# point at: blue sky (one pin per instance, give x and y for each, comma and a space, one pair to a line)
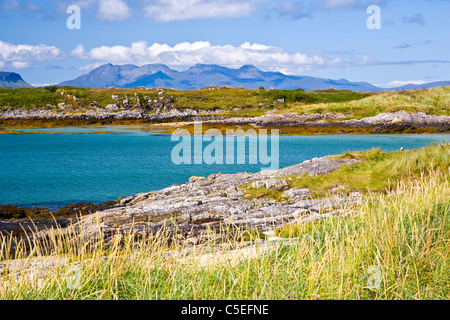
322, 38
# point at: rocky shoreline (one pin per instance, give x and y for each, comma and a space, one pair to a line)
289, 123
197, 211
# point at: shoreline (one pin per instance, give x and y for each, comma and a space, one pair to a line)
287, 123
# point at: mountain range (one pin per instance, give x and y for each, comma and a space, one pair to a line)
203, 75
12, 80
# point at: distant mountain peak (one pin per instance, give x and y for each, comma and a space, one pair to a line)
249, 67
104, 66
12, 80
202, 66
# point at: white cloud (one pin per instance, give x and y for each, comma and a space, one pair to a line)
25, 52
113, 10
78, 51
170, 10
20, 64
398, 83
187, 54
43, 84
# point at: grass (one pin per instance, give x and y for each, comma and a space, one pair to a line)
315, 96
434, 101
28, 98
403, 235
378, 171
251, 193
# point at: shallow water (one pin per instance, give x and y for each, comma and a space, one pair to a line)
54, 170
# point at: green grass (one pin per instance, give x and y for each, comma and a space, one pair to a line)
315, 96
259, 193
28, 98
378, 171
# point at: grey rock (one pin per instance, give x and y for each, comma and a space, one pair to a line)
296, 194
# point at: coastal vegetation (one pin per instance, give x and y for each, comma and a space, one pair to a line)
434, 101
394, 245
379, 171
235, 101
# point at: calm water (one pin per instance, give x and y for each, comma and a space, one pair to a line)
54, 170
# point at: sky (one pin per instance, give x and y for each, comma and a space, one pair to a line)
321, 38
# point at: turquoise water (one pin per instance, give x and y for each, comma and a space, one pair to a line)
54, 170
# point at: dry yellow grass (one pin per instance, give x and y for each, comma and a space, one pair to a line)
435, 101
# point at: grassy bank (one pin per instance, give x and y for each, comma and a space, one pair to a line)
435, 101
379, 171
376, 172
394, 246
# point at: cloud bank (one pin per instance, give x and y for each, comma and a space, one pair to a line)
187, 54
21, 55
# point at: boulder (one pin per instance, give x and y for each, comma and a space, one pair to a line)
197, 180
276, 184
112, 107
